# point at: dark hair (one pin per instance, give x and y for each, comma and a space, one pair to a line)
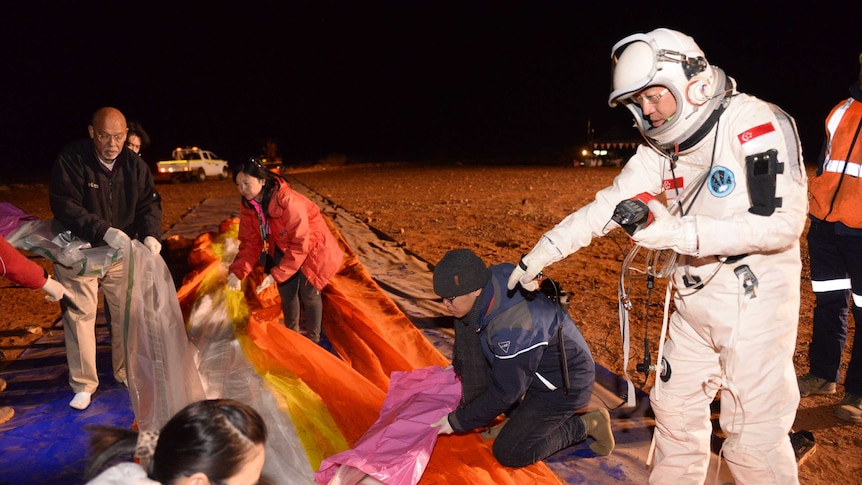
135, 128
255, 168
212, 437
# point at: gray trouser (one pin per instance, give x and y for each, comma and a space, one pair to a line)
297, 293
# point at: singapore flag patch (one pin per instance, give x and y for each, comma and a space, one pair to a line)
672, 187
759, 138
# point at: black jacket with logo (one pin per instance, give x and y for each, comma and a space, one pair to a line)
88, 200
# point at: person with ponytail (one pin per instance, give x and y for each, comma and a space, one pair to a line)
211, 441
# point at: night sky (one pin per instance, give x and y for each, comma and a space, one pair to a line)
383, 81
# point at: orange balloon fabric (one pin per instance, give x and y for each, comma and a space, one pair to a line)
372, 338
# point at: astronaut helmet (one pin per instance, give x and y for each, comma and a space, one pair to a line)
671, 59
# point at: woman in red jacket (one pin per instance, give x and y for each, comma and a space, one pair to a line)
284, 231
20, 270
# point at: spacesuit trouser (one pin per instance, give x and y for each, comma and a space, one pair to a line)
297, 293
836, 273
79, 325
759, 397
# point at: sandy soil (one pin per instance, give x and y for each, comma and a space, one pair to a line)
499, 212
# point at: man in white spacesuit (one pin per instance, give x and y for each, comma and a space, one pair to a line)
730, 167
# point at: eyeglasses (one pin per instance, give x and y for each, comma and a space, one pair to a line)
643, 99
103, 137
451, 299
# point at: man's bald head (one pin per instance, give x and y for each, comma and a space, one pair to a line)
108, 115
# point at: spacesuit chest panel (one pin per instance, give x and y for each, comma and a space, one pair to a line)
716, 181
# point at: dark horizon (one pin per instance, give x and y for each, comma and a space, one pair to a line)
380, 81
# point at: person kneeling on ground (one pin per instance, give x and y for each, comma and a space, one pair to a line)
210, 441
508, 357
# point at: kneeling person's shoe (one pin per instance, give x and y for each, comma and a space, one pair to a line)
810, 385
850, 408
598, 425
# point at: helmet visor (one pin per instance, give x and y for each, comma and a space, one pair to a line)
633, 66
637, 59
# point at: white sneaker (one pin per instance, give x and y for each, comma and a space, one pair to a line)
81, 400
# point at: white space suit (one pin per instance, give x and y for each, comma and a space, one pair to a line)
733, 331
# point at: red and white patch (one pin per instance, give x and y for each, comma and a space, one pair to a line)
752, 133
672, 187
672, 184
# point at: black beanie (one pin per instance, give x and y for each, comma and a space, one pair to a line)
460, 272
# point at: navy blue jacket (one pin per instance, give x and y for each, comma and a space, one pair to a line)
520, 342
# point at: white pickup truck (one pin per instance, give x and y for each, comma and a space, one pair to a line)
191, 163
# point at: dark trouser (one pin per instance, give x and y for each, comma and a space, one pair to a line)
297, 293
543, 424
835, 258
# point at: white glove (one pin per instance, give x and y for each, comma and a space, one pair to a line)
54, 289
153, 245
266, 283
443, 426
668, 231
116, 238
233, 283
528, 269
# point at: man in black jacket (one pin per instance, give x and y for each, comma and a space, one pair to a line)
104, 194
510, 354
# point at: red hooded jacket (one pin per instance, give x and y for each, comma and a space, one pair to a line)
297, 229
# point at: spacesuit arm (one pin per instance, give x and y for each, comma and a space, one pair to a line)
749, 233
642, 173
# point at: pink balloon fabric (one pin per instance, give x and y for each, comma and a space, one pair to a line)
396, 448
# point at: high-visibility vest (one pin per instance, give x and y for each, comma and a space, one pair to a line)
836, 191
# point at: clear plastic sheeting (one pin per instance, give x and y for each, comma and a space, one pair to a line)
162, 373
51, 240
169, 368
228, 373
160, 361
396, 449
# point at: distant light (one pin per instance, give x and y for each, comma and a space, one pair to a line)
585, 152
600, 153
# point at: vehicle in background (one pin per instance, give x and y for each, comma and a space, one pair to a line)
273, 165
191, 163
270, 157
